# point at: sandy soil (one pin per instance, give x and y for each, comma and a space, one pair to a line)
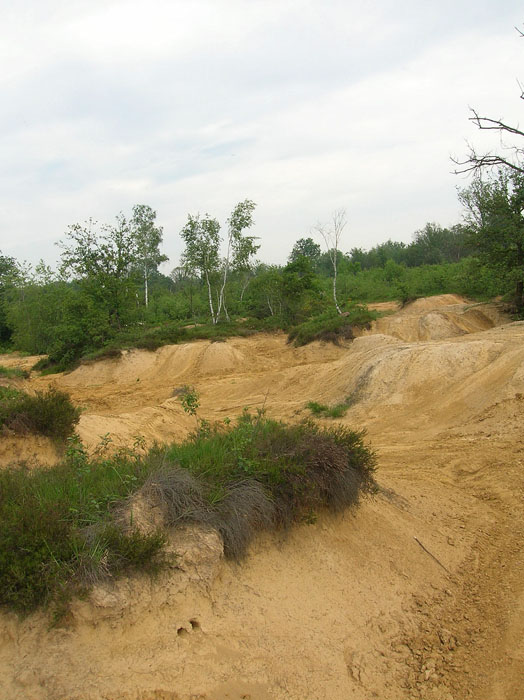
418, 594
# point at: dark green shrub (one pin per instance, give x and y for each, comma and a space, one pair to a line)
57, 536
49, 413
331, 328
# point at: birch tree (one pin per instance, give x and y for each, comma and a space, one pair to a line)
148, 237
202, 239
240, 248
331, 233
202, 252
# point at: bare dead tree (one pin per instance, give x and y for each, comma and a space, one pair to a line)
331, 234
511, 154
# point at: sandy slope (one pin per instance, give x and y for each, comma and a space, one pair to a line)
419, 594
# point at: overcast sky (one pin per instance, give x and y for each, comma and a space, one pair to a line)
192, 106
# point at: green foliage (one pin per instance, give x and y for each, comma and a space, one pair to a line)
48, 413
189, 399
147, 237
306, 247
431, 245
9, 275
60, 319
96, 293
494, 213
202, 253
102, 264
299, 292
95, 305
56, 534
331, 328
265, 293
270, 474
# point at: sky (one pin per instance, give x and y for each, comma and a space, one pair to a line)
190, 106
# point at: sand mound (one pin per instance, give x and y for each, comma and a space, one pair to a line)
33, 450
429, 303
427, 321
221, 358
165, 365
469, 371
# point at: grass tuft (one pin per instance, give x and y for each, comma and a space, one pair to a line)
324, 411
264, 473
13, 372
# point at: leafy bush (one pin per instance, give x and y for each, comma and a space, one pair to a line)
329, 327
49, 413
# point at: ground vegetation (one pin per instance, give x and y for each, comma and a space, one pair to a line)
61, 528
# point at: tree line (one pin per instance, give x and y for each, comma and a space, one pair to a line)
108, 284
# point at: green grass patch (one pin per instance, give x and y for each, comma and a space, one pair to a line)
332, 328
13, 372
48, 413
324, 411
60, 529
56, 536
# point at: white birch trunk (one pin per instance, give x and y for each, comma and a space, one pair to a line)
210, 299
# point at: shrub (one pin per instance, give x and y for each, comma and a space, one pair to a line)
49, 413
263, 473
56, 532
331, 328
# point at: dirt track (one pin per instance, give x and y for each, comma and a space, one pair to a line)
420, 594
